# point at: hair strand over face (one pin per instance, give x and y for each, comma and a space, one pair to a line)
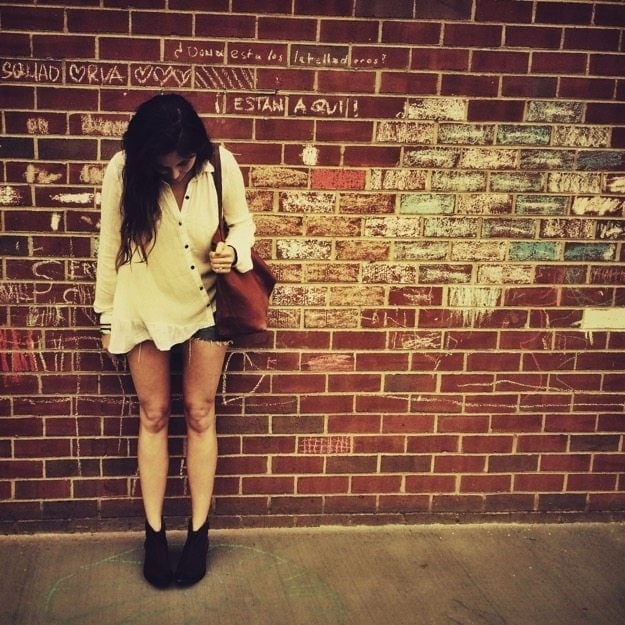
163, 124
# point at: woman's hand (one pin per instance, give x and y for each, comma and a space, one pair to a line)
106, 340
222, 259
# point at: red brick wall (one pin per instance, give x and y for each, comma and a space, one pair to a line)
438, 185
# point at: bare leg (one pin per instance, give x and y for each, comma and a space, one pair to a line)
150, 371
203, 363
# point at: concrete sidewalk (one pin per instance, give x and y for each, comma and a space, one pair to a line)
400, 575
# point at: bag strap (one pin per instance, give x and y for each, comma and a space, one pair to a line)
216, 162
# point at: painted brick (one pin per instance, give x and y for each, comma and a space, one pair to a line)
466, 134
535, 251
405, 132
396, 179
547, 159
560, 112
458, 181
517, 182
581, 136
427, 203
604, 160
484, 204
541, 205
512, 228
510, 134
450, 227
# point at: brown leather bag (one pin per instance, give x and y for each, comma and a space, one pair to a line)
241, 299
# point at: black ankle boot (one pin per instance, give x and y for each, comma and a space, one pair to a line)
156, 566
192, 566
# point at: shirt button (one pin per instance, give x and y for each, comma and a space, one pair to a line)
186, 247
192, 266
180, 223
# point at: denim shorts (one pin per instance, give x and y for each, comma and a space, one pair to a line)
206, 334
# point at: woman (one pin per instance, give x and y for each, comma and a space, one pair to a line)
155, 289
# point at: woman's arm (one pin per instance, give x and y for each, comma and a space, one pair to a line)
109, 240
241, 226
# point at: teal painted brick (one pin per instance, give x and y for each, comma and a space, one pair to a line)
547, 159
602, 161
590, 251
458, 181
523, 135
466, 134
542, 205
517, 182
555, 111
427, 203
534, 250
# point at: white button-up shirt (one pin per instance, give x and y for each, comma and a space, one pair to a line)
171, 296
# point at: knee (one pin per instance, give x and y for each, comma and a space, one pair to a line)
200, 417
155, 418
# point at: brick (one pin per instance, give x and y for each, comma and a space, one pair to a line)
485, 483
430, 484
492, 61
529, 87
509, 11
534, 37
589, 251
404, 464
337, 8
323, 485
376, 484
515, 228
97, 21
561, 112
552, 13
610, 15
37, 19
471, 85
472, 35
371, 8
15, 44
117, 48
538, 483
405, 132
558, 63
466, 134
456, 60
410, 32
604, 113
73, 46
404, 82
580, 38
586, 88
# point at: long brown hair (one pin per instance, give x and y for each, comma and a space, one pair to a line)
163, 124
